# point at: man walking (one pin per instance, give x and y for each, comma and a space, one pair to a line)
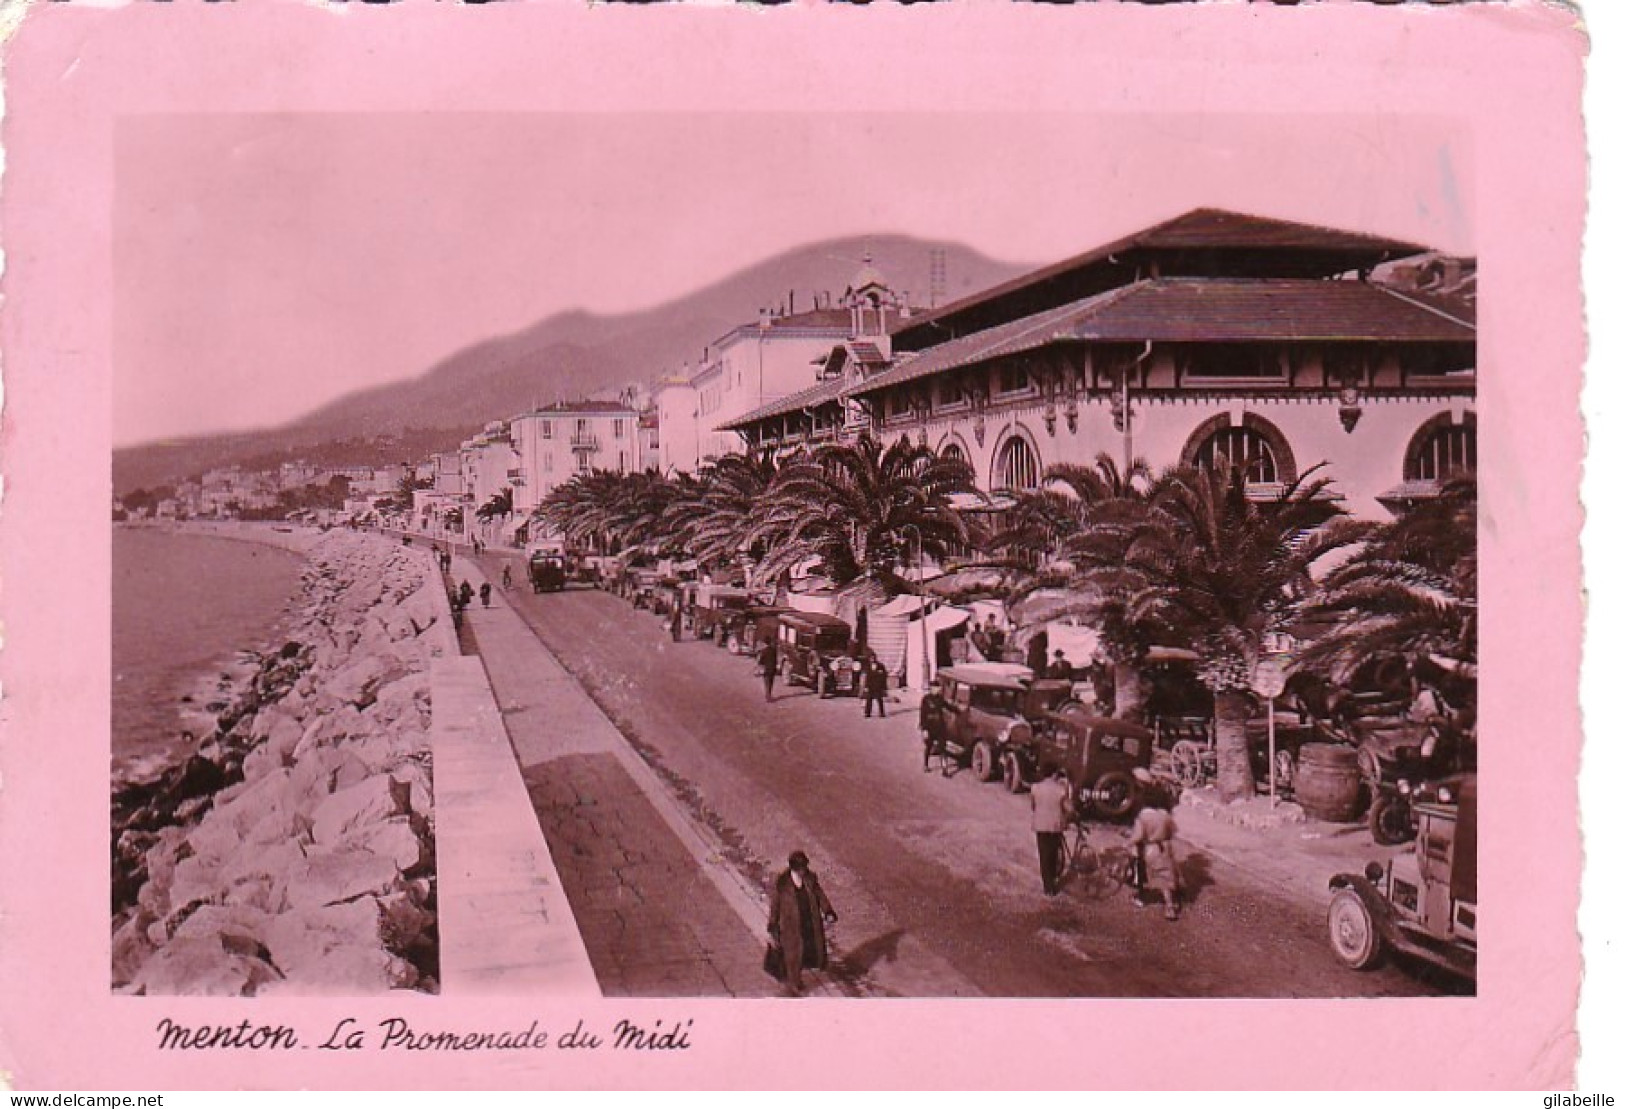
769, 658
1052, 812
874, 686
796, 920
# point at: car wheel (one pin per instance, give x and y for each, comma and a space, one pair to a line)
1390, 820
1013, 778
1113, 795
1353, 932
982, 763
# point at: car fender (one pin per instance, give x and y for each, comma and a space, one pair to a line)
1381, 912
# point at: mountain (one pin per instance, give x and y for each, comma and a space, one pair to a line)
567, 355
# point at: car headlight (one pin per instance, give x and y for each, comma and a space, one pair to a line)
1444, 795
1404, 786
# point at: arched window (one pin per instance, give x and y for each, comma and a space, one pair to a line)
1017, 464
1254, 446
1441, 450
954, 451
1242, 448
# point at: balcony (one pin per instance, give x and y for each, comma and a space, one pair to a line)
584, 441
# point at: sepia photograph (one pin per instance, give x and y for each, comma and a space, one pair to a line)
680, 547
1067, 571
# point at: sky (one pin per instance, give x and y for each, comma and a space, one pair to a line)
267, 264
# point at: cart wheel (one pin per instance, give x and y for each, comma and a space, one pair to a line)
1286, 770
982, 763
1014, 780
1187, 760
1354, 936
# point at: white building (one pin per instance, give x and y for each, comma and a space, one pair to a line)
555, 443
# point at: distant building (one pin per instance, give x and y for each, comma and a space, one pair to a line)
555, 443
1210, 337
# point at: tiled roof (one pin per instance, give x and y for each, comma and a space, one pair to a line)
822, 393
573, 407
1202, 229
867, 354
1205, 310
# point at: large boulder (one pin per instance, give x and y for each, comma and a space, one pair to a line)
333, 879
394, 840
371, 801
202, 965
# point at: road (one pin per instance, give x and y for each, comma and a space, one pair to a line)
935, 878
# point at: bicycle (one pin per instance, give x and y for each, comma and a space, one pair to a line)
1100, 872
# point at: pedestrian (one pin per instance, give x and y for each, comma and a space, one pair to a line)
1052, 812
874, 686
796, 920
465, 593
768, 656
485, 594
995, 642
932, 708
1060, 669
1038, 653
677, 622
507, 576
979, 639
1152, 837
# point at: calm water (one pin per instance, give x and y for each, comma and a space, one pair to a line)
183, 607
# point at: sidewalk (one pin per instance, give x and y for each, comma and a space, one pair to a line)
1280, 849
659, 913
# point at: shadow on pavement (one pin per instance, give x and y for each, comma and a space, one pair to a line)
863, 958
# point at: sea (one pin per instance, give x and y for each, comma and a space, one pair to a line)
186, 609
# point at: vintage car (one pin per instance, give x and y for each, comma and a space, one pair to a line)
714, 606
981, 704
1423, 903
642, 586
743, 630
1098, 753
546, 571
816, 650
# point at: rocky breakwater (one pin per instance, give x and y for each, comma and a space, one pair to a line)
294, 851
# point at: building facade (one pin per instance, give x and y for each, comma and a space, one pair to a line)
555, 443
1211, 337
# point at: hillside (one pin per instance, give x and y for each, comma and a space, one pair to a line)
565, 355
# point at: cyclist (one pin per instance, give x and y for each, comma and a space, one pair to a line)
1052, 813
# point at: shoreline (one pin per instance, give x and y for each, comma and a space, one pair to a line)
212, 686
293, 850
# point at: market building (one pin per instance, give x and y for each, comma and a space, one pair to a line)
1212, 336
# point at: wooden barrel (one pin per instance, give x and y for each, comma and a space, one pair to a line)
1328, 782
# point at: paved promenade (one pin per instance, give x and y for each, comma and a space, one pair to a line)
659, 913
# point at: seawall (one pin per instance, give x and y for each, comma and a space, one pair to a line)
294, 852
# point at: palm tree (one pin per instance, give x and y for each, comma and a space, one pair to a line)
1089, 522
713, 517
859, 508
1221, 572
1412, 593
500, 505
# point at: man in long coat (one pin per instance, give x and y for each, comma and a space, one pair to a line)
796, 919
